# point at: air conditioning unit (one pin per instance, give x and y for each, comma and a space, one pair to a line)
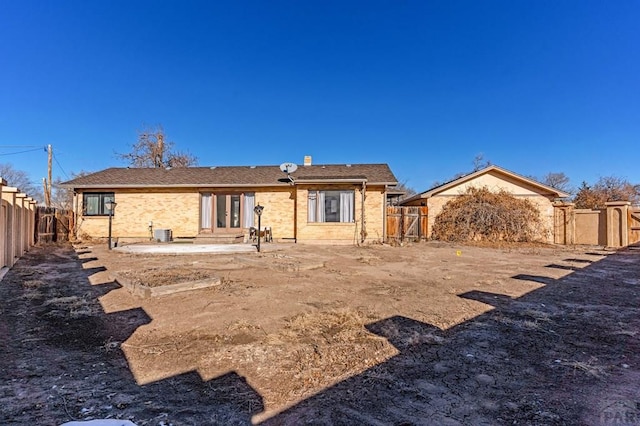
162, 235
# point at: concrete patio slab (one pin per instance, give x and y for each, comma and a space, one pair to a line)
188, 248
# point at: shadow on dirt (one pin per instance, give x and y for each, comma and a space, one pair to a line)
60, 356
563, 354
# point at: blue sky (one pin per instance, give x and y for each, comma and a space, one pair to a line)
425, 86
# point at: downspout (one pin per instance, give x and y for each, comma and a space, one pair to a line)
384, 216
295, 213
363, 229
76, 215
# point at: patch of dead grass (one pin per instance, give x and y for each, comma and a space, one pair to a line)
33, 284
70, 307
339, 325
537, 315
590, 367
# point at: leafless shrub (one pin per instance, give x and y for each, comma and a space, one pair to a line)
483, 215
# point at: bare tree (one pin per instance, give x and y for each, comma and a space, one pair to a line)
558, 180
408, 190
607, 188
153, 150
479, 163
20, 180
62, 198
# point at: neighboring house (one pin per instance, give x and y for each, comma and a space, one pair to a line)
394, 196
315, 203
496, 179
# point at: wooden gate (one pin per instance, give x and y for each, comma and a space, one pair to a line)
634, 225
407, 222
53, 224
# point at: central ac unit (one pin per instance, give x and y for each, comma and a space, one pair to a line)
162, 235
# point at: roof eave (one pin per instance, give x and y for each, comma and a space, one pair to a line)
332, 180
209, 185
185, 185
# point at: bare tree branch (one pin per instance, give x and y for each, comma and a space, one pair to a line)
20, 180
154, 151
607, 188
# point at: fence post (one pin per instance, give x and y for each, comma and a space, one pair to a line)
563, 223
28, 223
3, 226
617, 223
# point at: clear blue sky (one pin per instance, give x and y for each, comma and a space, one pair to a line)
535, 86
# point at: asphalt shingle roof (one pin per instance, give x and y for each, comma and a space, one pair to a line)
229, 176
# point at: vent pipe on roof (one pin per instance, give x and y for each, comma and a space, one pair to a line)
307, 160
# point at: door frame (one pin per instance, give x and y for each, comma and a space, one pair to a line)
213, 211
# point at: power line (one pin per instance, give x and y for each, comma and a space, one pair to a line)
22, 152
58, 163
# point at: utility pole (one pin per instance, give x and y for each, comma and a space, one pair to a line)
47, 201
47, 192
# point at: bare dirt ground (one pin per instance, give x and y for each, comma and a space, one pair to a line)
424, 334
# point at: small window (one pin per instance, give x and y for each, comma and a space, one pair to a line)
331, 206
95, 203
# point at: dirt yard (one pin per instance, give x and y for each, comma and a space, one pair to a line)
423, 334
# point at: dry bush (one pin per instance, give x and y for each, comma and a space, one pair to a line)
482, 215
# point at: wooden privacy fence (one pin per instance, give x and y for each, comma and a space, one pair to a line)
634, 225
407, 223
53, 224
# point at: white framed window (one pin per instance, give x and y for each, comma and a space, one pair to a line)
331, 206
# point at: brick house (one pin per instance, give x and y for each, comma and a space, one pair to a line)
315, 203
495, 179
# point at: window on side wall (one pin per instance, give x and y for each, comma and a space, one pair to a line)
331, 206
95, 203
